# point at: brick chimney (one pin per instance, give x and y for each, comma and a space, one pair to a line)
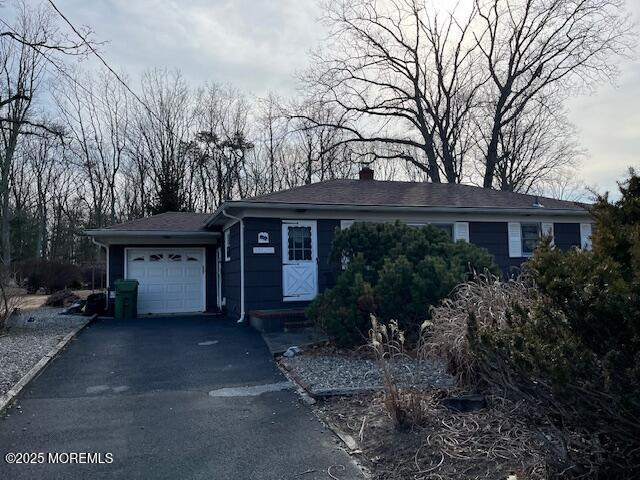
366, 173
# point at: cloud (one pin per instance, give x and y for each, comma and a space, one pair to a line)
256, 45
608, 122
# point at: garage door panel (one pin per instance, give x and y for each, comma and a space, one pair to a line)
171, 280
174, 288
136, 270
175, 271
153, 288
192, 271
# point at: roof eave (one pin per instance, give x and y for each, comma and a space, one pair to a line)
403, 208
106, 232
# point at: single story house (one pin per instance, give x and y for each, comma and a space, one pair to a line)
270, 252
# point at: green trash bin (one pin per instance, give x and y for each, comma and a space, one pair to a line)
126, 299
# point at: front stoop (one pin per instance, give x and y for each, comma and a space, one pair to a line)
281, 320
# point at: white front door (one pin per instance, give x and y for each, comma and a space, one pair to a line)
299, 260
171, 280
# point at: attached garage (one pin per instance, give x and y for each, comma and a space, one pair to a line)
172, 256
172, 280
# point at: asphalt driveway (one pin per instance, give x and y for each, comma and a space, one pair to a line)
166, 398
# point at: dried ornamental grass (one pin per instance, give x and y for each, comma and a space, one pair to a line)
489, 301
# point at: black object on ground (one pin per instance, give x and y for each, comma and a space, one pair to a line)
96, 303
465, 403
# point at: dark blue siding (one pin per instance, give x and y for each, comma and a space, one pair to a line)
494, 236
116, 264
326, 232
263, 272
117, 260
231, 275
566, 235
210, 280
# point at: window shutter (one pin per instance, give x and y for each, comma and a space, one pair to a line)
461, 231
547, 231
344, 224
585, 236
515, 240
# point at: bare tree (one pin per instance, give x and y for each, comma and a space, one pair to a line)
532, 46
95, 111
43, 157
222, 142
22, 69
162, 128
273, 125
536, 147
321, 150
439, 88
402, 75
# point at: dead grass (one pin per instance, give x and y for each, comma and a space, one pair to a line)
490, 301
33, 301
494, 443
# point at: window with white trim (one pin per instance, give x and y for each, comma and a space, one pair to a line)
529, 235
227, 245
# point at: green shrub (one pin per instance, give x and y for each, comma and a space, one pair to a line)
378, 241
395, 272
344, 311
405, 291
566, 338
598, 292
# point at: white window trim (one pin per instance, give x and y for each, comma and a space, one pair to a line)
227, 245
461, 232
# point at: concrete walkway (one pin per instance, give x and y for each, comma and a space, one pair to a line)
174, 398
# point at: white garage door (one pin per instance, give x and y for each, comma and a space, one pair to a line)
171, 280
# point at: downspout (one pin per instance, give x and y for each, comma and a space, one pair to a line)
106, 248
228, 215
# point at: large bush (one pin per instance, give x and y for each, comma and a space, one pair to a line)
52, 275
566, 337
395, 272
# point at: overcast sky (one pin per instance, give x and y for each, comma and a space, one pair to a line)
258, 45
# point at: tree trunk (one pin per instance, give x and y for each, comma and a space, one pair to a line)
4, 188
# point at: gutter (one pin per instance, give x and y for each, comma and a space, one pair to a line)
396, 208
224, 212
108, 284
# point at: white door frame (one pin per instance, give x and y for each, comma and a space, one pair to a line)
169, 247
314, 256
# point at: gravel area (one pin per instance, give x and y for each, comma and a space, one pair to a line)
30, 337
325, 374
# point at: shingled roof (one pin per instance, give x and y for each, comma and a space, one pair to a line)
409, 194
168, 221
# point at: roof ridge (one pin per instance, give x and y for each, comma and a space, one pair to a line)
117, 226
293, 189
491, 191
